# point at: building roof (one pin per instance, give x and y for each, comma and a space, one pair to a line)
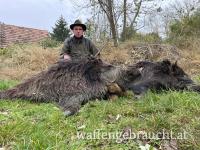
11, 34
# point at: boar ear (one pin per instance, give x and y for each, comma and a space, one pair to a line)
167, 62
176, 63
175, 66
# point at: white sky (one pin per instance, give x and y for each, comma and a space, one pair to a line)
41, 14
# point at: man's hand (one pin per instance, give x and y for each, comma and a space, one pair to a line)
66, 57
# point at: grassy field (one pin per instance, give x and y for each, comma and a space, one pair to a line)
27, 125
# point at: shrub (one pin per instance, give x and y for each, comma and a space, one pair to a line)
129, 33
149, 37
185, 30
49, 42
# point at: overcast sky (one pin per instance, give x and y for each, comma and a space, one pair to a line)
43, 14
40, 14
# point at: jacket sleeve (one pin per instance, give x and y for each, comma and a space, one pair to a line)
66, 47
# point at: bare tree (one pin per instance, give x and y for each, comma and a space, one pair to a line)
107, 7
183, 8
177, 10
122, 15
124, 20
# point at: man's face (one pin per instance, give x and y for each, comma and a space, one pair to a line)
78, 31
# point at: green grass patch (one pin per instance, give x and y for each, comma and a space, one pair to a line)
26, 125
5, 84
197, 79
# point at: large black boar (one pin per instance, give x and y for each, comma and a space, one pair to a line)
70, 84
156, 76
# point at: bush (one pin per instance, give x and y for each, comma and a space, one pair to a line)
127, 34
3, 51
188, 26
48, 42
185, 29
149, 37
10, 50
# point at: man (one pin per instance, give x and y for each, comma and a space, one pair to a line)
78, 47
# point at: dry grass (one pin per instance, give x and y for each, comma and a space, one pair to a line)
191, 57
21, 61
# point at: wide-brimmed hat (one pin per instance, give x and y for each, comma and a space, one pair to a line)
78, 23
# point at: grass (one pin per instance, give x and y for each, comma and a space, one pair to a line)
5, 84
26, 125
20, 61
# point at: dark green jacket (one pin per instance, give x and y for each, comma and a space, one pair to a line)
78, 48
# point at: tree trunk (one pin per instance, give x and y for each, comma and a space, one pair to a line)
138, 7
107, 7
124, 21
112, 22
